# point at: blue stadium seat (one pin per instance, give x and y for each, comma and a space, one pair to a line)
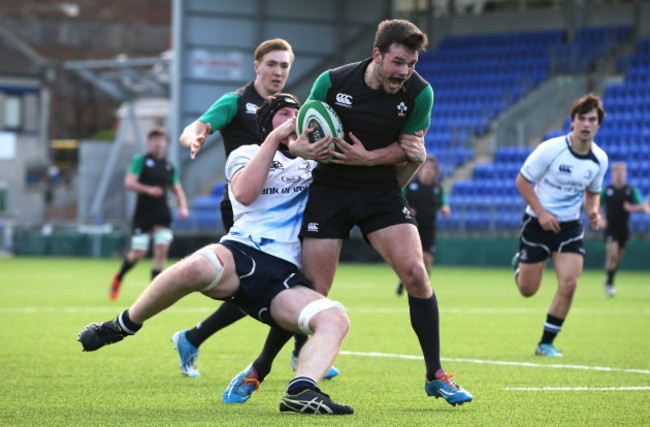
218, 188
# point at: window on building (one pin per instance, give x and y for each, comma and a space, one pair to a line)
13, 113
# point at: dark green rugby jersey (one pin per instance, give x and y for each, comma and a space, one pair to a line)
374, 116
613, 198
234, 115
155, 172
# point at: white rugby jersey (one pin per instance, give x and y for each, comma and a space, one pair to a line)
562, 176
272, 222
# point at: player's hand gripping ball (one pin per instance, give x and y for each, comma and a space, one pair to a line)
323, 119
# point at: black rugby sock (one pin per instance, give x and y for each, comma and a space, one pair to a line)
425, 320
275, 340
126, 324
126, 266
299, 384
227, 314
299, 341
552, 327
610, 276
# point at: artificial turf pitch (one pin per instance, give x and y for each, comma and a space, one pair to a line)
488, 334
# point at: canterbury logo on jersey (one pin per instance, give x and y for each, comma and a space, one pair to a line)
344, 100
251, 108
565, 168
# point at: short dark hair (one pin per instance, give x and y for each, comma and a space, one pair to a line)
399, 31
586, 104
271, 45
156, 131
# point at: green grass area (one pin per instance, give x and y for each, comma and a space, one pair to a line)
488, 331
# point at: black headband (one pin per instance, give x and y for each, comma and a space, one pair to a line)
271, 106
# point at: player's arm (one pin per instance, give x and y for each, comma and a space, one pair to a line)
356, 154
194, 136
547, 220
416, 154
132, 183
220, 114
592, 208
248, 182
179, 194
636, 204
181, 201
603, 217
445, 209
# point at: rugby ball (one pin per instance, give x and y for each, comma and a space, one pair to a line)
322, 118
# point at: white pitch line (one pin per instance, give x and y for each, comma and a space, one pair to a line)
575, 388
500, 362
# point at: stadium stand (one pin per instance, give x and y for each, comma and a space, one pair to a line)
489, 200
205, 212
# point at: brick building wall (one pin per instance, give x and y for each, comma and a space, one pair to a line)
101, 30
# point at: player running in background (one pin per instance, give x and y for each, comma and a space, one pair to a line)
256, 264
149, 176
568, 172
617, 201
426, 197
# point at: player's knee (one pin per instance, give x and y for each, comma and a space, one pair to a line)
334, 321
201, 271
331, 315
415, 276
135, 255
527, 292
568, 286
416, 281
527, 288
209, 276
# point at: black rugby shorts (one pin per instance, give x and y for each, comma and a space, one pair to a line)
537, 244
261, 278
331, 212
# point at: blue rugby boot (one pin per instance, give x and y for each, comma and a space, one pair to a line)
187, 353
547, 350
444, 387
242, 386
